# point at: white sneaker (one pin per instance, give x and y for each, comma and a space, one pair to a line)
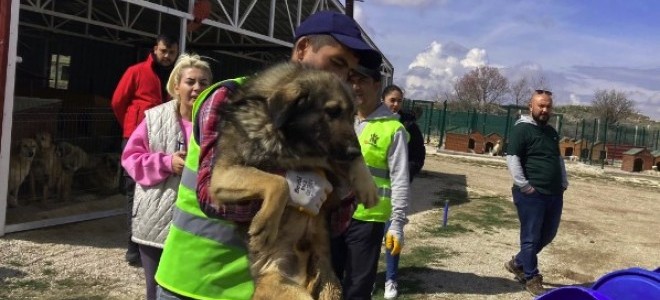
391, 289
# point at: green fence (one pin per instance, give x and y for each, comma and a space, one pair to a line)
436, 120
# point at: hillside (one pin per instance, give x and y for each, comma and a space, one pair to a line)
574, 113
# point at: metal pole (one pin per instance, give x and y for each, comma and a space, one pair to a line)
349, 8
593, 142
444, 122
468, 122
616, 141
602, 161
560, 123
483, 124
505, 142
428, 123
582, 142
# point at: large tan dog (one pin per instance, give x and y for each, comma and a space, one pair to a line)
289, 117
46, 171
20, 161
97, 171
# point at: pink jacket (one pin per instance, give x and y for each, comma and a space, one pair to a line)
144, 167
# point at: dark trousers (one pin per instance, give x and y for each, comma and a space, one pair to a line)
129, 191
355, 258
150, 256
539, 217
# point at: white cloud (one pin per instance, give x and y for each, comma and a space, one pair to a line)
575, 99
474, 58
434, 70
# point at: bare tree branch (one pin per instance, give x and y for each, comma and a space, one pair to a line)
612, 106
483, 88
520, 91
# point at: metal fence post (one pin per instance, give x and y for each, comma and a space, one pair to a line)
582, 143
593, 142
602, 161
444, 121
428, 123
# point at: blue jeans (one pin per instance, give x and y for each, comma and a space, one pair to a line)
391, 261
539, 217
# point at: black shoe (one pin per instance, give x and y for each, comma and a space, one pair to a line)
133, 258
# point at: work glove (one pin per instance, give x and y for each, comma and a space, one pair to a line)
308, 190
394, 241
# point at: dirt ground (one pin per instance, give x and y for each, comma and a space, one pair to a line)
610, 222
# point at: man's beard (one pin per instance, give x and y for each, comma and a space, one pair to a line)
541, 119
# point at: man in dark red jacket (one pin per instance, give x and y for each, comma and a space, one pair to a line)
142, 86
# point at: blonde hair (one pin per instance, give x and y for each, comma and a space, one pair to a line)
186, 61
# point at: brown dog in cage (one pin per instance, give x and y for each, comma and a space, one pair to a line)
97, 171
46, 171
20, 161
289, 117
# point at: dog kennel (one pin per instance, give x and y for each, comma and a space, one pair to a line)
64, 59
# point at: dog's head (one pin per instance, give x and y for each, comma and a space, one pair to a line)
44, 140
71, 156
312, 110
27, 148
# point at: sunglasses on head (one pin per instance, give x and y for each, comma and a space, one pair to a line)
540, 92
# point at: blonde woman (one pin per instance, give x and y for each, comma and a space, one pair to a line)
154, 157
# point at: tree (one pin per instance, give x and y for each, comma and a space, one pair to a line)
519, 90
483, 88
612, 106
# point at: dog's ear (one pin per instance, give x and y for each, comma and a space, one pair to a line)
284, 103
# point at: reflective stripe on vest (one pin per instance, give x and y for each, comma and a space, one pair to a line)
382, 173
203, 258
375, 141
221, 233
189, 178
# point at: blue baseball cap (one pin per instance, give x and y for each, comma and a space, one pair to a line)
345, 30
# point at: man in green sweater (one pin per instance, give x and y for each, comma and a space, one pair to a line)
539, 181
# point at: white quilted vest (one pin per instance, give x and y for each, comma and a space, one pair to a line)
152, 207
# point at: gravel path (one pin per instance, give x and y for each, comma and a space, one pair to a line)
610, 222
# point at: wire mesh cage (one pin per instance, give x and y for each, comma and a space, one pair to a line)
77, 154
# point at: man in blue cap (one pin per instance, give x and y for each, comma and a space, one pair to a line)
204, 257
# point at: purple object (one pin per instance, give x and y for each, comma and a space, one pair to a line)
629, 284
573, 293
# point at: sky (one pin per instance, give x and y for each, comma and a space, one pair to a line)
576, 46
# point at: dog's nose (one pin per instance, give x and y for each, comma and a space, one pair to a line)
31, 153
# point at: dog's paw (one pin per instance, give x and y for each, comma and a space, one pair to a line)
263, 231
367, 194
362, 183
265, 224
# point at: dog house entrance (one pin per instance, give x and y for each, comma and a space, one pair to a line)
568, 152
489, 147
638, 164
